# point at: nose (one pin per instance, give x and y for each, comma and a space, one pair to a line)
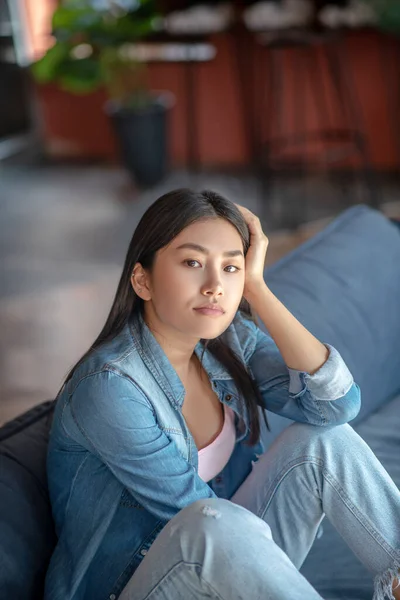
212, 288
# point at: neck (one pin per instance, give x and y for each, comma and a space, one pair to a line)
178, 349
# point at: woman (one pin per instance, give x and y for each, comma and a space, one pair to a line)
159, 485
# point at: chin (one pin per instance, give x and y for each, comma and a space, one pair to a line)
212, 330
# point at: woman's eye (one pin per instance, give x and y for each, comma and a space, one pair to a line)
232, 268
191, 261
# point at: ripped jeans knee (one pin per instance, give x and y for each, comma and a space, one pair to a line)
219, 518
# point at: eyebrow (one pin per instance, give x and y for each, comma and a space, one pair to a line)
205, 251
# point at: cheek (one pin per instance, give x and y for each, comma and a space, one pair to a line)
170, 283
235, 283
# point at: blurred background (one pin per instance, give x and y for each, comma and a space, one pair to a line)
289, 107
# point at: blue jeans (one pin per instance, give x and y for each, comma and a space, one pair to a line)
222, 549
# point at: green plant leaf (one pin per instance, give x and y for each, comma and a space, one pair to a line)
388, 13
81, 76
46, 68
74, 19
105, 29
390, 19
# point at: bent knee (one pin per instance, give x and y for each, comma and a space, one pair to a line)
215, 509
305, 435
215, 516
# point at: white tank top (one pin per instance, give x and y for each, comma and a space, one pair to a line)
214, 457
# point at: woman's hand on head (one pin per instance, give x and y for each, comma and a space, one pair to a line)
255, 257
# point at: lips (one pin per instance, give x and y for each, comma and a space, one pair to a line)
210, 309
215, 307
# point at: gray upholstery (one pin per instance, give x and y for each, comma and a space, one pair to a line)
344, 285
27, 533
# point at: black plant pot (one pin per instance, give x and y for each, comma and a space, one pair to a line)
143, 137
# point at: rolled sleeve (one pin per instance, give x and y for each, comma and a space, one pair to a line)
332, 381
328, 397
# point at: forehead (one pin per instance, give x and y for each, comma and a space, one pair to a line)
216, 234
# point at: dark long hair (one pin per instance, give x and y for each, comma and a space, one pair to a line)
159, 225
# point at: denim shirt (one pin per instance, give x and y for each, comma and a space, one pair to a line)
122, 461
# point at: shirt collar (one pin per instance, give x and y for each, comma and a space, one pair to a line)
159, 365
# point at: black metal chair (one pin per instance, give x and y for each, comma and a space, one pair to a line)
300, 54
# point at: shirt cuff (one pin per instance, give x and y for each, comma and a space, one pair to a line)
332, 381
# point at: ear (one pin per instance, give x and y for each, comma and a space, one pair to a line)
139, 282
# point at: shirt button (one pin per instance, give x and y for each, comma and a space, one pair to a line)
228, 397
143, 552
113, 597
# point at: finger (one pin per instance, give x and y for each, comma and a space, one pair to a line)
243, 209
249, 216
253, 222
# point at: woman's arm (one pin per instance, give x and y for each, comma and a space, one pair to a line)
298, 376
327, 397
113, 420
300, 349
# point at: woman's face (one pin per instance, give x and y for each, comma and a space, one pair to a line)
185, 277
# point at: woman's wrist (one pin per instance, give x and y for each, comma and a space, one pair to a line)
257, 293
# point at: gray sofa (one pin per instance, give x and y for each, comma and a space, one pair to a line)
344, 285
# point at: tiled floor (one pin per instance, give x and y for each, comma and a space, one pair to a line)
63, 237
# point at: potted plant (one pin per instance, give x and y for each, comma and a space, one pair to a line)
95, 43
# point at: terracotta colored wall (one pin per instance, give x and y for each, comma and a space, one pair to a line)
375, 60
76, 126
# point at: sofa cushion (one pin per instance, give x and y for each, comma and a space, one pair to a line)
330, 566
346, 298
26, 525
344, 286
